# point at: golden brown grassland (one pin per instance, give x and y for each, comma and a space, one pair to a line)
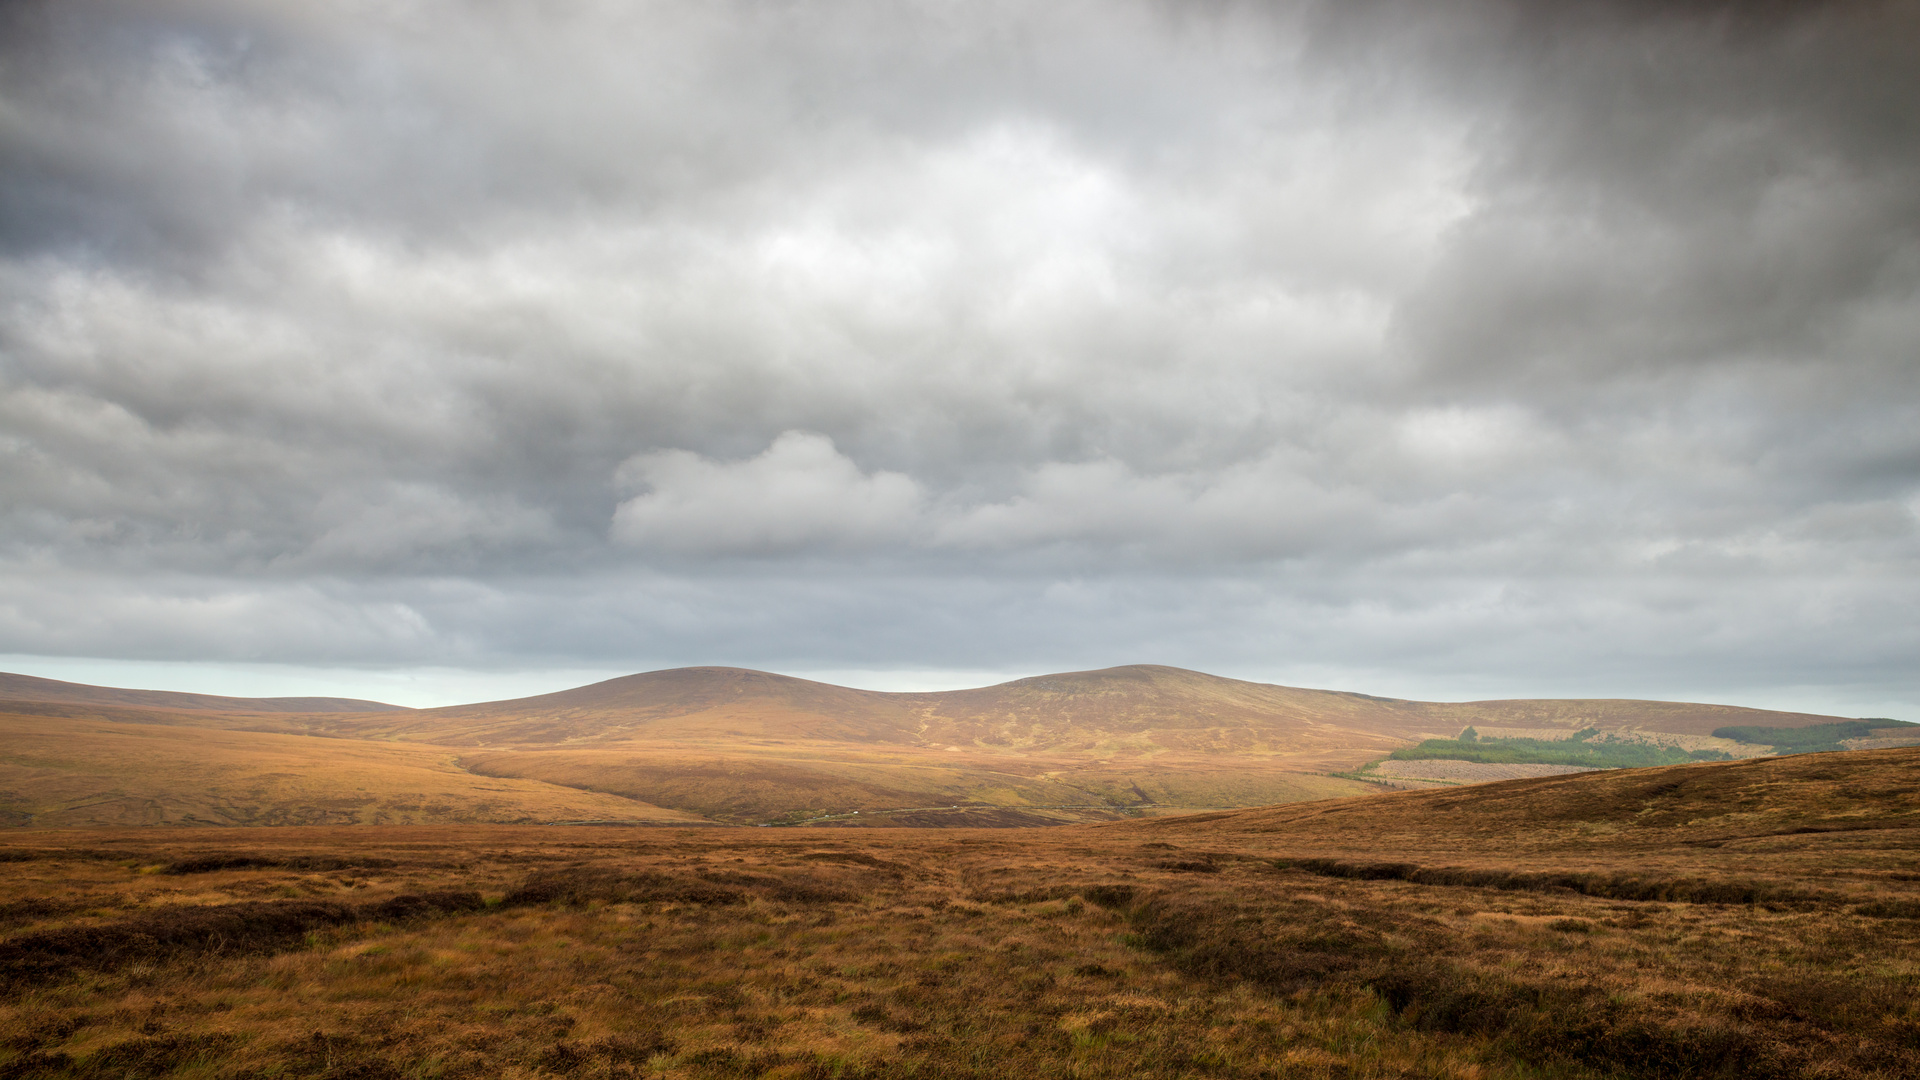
744, 747
1757, 918
68, 771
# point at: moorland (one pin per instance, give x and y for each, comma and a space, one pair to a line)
677, 875
727, 746
1746, 918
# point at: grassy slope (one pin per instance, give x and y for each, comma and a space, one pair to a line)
1752, 803
1600, 754
64, 772
1134, 711
1819, 738
1193, 947
30, 688
749, 746
732, 786
744, 746
1609, 714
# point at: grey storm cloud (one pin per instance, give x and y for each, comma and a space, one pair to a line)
1538, 341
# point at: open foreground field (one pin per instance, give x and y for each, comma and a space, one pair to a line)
1740, 919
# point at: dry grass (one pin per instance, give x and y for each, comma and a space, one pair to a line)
741, 747
748, 785
1758, 805
72, 771
1584, 945
1138, 711
66, 771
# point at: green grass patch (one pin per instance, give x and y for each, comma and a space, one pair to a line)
1584, 748
1809, 740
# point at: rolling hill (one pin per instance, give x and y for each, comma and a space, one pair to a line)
1138, 710
27, 688
1753, 807
735, 746
60, 771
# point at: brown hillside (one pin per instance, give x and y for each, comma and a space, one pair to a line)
24, 688
1126, 711
1613, 714
702, 704
739, 746
807, 783
746, 746
1738, 805
67, 772
1147, 709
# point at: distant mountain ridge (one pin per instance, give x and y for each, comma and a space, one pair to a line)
1043, 710
29, 688
1175, 708
723, 745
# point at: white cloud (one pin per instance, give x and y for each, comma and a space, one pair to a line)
1352, 309
799, 493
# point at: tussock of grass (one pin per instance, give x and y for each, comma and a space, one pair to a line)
1814, 1026
212, 862
1610, 886
1891, 909
178, 931
581, 886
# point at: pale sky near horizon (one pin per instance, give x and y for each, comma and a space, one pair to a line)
1444, 349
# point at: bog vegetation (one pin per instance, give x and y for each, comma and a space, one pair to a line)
1756, 918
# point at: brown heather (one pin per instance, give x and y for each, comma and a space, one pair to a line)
724, 745
1751, 919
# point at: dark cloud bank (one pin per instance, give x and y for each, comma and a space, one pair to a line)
1496, 346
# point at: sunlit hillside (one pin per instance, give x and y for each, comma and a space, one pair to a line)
744, 747
59, 771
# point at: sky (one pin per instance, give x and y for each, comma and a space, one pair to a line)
447, 351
